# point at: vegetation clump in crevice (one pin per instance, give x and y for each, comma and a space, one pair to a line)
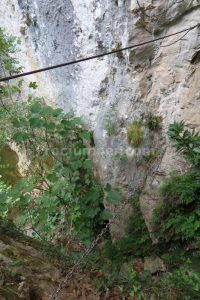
110, 123
135, 134
154, 123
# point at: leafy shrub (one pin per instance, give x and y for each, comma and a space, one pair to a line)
59, 190
120, 156
181, 284
186, 282
136, 285
9, 64
5, 200
187, 142
135, 134
8, 46
177, 219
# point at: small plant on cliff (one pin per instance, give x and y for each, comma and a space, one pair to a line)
151, 156
135, 134
110, 125
154, 122
120, 157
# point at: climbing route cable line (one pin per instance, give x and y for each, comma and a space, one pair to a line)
73, 62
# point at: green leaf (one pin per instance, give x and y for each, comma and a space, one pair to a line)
113, 197
85, 135
57, 112
91, 213
36, 108
8, 65
18, 123
76, 165
196, 150
77, 121
68, 124
52, 178
106, 215
47, 110
107, 188
36, 123
21, 136
33, 85
88, 165
20, 83
50, 126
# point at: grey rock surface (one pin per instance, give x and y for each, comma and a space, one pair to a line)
154, 265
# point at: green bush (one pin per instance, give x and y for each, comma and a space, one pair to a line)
181, 284
187, 142
67, 196
186, 282
177, 219
8, 47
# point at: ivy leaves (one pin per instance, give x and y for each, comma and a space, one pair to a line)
112, 195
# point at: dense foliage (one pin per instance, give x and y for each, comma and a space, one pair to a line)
59, 184
177, 217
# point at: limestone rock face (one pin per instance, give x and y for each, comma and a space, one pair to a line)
112, 92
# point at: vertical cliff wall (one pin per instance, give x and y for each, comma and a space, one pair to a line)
113, 92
